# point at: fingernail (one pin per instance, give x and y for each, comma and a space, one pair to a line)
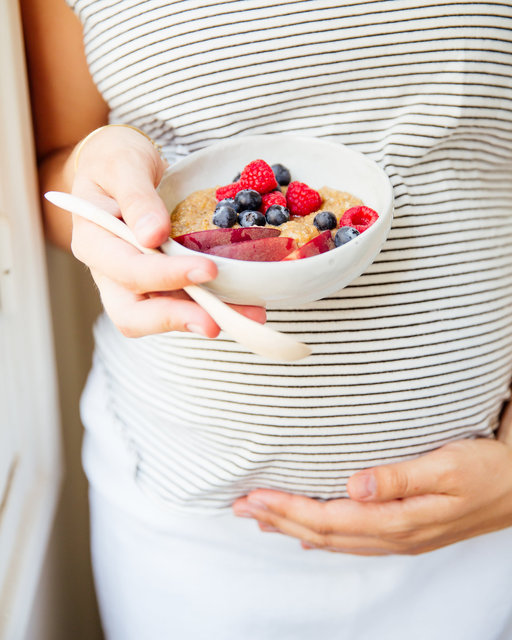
257, 505
147, 223
268, 528
363, 486
198, 275
243, 514
195, 328
307, 545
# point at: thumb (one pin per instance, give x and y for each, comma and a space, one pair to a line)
141, 207
124, 165
416, 477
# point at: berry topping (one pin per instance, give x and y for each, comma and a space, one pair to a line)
230, 202
282, 174
258, 175
301, 199
359, 217
251, 219
325, 220
247, 200
229, 191
274, 197
276, 215
344, 235
224, 216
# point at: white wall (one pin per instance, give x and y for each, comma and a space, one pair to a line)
65, 607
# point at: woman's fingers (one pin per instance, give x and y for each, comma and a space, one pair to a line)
437, 472
424, 475
409, 526
142, 209
337, 524
136, 288
138, 315
107, 254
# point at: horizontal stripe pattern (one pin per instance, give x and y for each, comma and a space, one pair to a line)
415, 353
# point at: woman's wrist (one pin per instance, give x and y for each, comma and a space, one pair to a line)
77, 151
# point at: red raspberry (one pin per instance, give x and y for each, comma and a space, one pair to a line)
258, 175
229, 191
301, 199
274, 197
359, 217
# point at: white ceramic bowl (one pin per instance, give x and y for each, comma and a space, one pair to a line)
314, 161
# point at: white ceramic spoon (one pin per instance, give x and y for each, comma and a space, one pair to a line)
256, 337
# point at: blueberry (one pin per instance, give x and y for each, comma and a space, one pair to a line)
247, 200
236, 178
224, 216
251, 219
227, 201
281, 174
276, 214
325, 220
344, 235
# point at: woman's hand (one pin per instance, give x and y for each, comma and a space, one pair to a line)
118, 169
459, 491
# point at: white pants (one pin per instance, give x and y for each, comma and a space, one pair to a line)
161, 575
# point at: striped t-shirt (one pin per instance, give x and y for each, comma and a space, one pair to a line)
415, 353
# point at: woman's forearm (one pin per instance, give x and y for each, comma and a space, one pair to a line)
66, 105
56, 173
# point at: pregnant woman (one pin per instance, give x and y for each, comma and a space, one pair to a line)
376, 468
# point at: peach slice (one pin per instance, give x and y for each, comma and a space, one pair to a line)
260, 250
205, 240
319, 244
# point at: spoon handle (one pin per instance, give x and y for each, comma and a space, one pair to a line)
256, 337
